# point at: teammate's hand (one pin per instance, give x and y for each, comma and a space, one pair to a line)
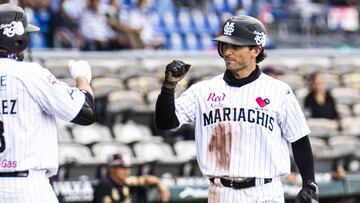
308, 193
80, 69
175, 71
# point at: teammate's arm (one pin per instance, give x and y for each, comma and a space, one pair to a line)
304, 159
81, 72
150, 180
165, 117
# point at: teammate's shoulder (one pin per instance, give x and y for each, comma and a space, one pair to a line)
32, 68
30, 71
19, 68
32, 65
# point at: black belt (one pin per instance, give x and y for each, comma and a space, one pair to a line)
240, 184
15, 174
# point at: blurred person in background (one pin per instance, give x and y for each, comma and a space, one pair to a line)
74, 8
94, 28
66, 29
123, 36
319, 103
43, 17
140, 19
118, 186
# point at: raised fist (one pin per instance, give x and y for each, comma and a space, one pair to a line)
175, 71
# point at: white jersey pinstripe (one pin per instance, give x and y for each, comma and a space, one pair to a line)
260, 118
31, 97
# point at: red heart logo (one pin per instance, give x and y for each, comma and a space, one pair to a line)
261, 102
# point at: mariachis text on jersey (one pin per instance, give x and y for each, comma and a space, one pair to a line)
239, 115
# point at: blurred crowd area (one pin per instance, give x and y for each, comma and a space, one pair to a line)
186, 25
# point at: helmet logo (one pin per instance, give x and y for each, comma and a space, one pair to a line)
229, 28
260, 38
15, 27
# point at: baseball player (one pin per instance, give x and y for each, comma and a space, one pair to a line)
31, 97
119, 186
244, 120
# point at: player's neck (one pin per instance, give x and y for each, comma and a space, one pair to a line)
9, 55
116, 179
231, 80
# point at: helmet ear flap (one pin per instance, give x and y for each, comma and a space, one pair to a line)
220, 49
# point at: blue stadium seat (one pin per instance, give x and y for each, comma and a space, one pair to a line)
213, 22
185, 21
155, 19
175, 41
127, 2
168, 22
198, 19
232, 4
219, 6
191, 41
206, 42
162, 6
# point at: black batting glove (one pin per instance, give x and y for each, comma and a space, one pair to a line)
308, 194
175, 71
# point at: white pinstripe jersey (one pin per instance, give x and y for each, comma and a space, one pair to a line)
31, 97
260, 119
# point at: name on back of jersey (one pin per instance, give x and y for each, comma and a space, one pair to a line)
8, 106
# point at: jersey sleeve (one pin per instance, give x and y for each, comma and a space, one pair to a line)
186, 106
292, 119
54, 97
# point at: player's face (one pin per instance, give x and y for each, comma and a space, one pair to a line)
121, 173
238, 58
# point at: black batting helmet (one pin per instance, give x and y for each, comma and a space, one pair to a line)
242, 30
14, 28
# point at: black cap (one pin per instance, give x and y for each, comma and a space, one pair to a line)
120, 159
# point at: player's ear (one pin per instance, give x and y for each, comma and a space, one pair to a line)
255, 51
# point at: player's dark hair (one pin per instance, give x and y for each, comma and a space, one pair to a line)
261, 55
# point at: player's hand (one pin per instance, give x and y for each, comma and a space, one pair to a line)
308, 193
80, 69
175, 71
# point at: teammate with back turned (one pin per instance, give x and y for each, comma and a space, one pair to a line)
31, 97
244, 121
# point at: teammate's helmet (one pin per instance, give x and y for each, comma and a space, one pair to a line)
14, 28
242, 30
